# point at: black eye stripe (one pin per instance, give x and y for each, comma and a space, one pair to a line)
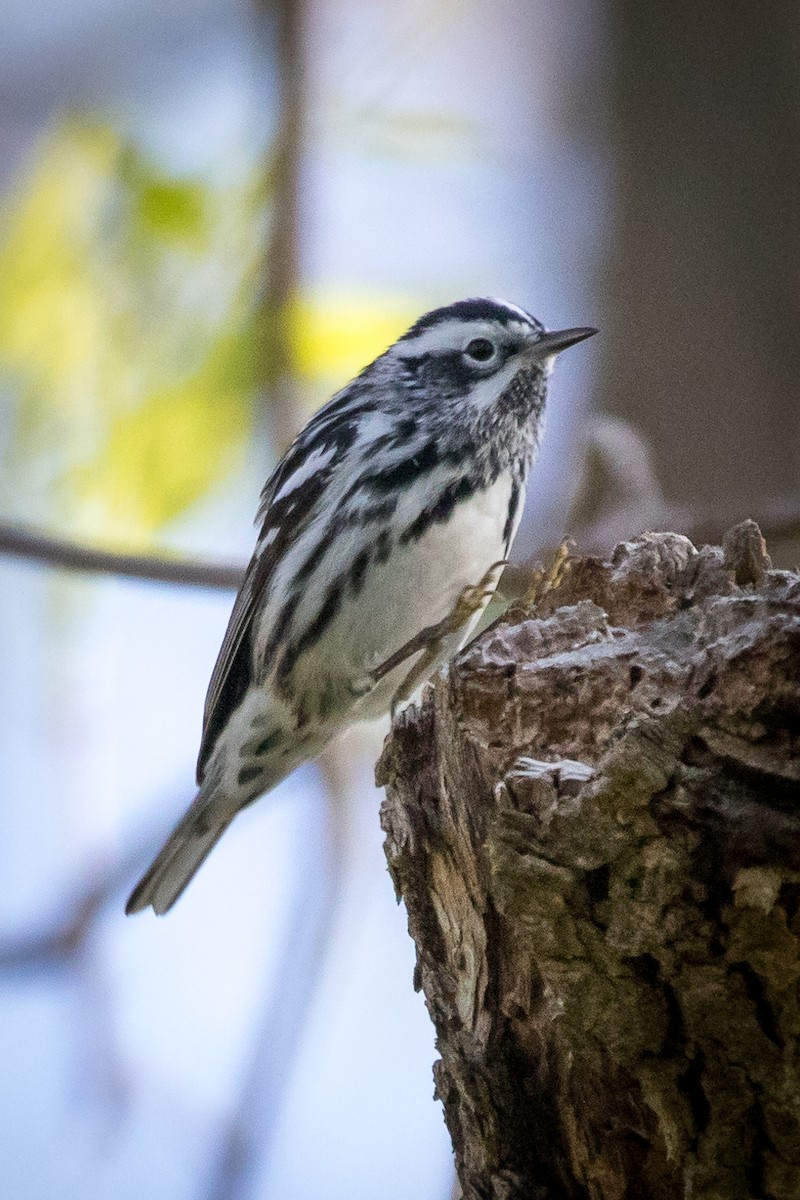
480, 349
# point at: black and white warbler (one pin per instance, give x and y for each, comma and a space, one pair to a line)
383, 533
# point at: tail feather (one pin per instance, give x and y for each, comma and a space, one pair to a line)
186, 849
224, 791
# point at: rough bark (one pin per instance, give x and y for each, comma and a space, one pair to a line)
593, 822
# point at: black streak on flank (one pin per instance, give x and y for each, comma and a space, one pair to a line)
440, 511
383, 547
512, 512
330, 607
279, 629
269, 742
381, 511
358, 571
318, 553
381, 550
248, 774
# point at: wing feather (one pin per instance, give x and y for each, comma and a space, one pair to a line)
289, 501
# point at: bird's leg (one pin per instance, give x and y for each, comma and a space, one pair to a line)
429, 640
544, 580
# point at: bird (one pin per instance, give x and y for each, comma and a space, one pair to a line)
382, 534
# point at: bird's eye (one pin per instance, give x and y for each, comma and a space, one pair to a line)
480, 349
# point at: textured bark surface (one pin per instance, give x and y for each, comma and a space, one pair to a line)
593, 821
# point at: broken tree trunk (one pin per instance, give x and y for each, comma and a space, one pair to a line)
594, 822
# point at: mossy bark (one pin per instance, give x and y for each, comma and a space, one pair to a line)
593, 821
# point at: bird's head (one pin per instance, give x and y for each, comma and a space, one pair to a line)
473, 351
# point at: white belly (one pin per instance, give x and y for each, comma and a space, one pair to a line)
422, 581
418, 586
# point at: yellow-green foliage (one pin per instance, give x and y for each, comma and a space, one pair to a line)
128, 361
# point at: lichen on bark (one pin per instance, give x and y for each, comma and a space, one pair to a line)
593, 821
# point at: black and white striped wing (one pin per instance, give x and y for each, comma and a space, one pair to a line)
289, 501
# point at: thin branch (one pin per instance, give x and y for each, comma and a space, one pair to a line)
17, 541
58, 942
620, 497
282, 253
63, 944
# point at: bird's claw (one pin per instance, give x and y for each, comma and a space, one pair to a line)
473, 599
546, 579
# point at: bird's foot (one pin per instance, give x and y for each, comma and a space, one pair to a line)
430, 641
546, 579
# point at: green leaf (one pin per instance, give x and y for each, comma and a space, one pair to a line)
126, 351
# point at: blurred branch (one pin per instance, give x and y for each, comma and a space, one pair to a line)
619, 497
58, 942
17, 541
282, 253
63, 941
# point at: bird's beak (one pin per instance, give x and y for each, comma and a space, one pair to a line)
547, 344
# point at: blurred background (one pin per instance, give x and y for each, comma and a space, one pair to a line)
213, 213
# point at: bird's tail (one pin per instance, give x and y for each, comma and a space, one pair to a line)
189, 844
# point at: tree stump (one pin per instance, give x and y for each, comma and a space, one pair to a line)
593, 820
